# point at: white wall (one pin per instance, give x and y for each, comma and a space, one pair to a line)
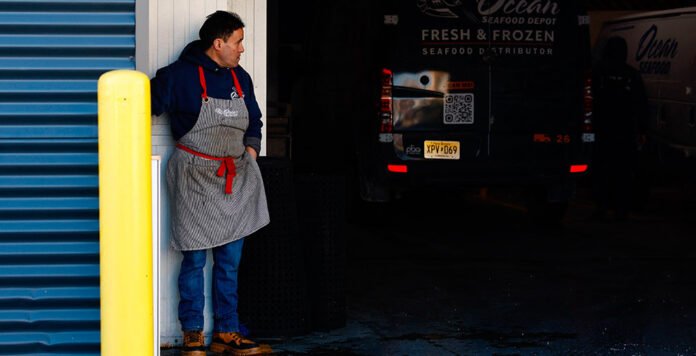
253, 13
163, 28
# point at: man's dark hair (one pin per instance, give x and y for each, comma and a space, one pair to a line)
615, 50
219, 24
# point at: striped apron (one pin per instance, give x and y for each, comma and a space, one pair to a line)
215, 187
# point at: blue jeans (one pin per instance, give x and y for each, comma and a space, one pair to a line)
191, 295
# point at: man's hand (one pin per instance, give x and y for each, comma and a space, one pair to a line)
251, 152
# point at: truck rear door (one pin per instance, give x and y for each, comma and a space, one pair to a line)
502, 81
539, 62
441, 85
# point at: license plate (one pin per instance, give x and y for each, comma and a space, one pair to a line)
441, 149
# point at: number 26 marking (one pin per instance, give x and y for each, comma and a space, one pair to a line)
562, 138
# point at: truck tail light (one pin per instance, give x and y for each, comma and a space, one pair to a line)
385, 110
578, 168
397, 168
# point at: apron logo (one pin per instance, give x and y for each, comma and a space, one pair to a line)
234, 95
227, 112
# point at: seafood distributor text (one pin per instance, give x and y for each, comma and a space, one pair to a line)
458, 51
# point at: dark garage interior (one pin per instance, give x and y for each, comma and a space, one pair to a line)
464, 273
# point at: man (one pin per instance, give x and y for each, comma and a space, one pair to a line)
215, 186
620, 116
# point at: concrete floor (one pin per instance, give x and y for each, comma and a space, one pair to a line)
478, 279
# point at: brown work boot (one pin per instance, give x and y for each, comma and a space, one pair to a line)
237, 345
194, 344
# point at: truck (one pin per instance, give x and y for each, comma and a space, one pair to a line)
662, 47
483, 93
447, 95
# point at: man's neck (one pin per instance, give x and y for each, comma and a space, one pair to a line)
210, 52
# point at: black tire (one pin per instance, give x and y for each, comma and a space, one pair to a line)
366, 202
550, 214
363, 213
543, 212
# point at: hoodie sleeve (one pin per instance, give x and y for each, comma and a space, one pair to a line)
252, 137
161, 91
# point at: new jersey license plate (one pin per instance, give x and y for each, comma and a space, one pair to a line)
441, 149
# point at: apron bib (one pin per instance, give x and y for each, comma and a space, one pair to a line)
215, 187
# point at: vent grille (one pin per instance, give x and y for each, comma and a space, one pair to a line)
52, 53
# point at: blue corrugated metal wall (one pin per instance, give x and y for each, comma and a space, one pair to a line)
51, 55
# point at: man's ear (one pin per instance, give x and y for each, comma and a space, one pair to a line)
217, 43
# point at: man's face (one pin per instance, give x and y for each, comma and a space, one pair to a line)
230, 51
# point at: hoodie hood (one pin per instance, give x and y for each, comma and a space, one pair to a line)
195, 53
176, 89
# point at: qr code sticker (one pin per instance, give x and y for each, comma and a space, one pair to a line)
459, 109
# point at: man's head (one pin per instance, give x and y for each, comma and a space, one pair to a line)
222, 34
615, 50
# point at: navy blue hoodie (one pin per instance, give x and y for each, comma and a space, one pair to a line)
176, 90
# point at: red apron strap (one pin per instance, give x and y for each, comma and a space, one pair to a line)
201, 78
236, 83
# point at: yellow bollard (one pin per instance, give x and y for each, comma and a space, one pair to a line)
125, 214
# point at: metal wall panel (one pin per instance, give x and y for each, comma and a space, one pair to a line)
51, 54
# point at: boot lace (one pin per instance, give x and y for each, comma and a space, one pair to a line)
238, 339
193, 338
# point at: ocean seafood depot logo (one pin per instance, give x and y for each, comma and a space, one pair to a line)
453, 8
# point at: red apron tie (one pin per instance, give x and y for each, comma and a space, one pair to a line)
226, 164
